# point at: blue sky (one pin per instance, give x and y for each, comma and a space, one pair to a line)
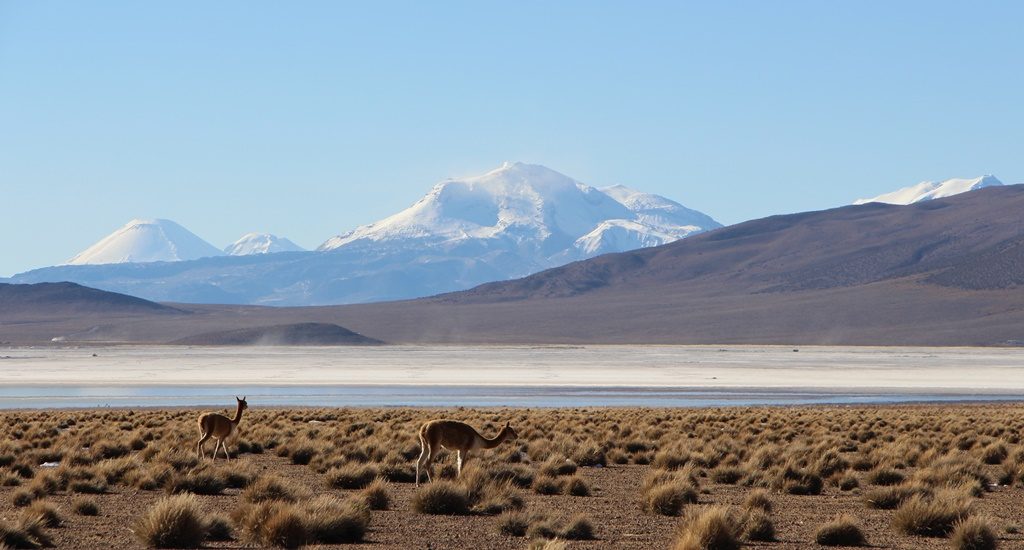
306, 119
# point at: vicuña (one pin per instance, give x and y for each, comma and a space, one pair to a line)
219, 427
455, 436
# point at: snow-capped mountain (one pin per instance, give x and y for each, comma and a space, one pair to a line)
510, 222
260, 243
146, 241
928, 190
541, 217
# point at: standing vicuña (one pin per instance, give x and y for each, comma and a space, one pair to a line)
456, 436
219, 427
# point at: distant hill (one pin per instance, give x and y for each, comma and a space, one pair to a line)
297, 334
47, 299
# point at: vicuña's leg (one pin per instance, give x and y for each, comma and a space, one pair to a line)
458, 463
225, 446
199, 447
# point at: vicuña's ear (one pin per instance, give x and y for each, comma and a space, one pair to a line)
243, 397
508, 424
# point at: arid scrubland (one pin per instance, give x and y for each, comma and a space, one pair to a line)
890, 477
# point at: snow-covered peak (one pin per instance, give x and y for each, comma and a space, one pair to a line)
660, 212
261, 243
928, 190
146, 241
516, 198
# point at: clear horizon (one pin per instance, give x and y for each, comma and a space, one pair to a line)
307, 121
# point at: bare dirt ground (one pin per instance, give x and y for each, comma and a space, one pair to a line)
908, 439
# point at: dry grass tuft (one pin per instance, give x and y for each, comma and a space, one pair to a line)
442, 498
841, 531
930, 516
85, 506
713, 528
172, 522
973, 533
376, 495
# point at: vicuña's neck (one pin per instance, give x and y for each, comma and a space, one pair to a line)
495, 441
238, 414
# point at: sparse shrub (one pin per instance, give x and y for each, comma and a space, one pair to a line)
973, 533
88, 486
930, 516
441, 498
841, 531
172, 522
713, 528
85, 506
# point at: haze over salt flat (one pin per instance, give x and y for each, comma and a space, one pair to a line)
507, 375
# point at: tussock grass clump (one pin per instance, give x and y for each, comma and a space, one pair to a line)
885, 476
303, 455
930, 516
995, 453
351, 476
203, 482
841, 531
668, 499
713, 528
328, 520
28, 532
547, 485
558, 466
973, 533
272, 487
172, 522
284, 528
23, 497
888, 498
85, 506
376, 495
757, 526
848, 482
578, 528
49, 513
442, 497
219, 528
576, 487
758, 500
513, 524
727, 475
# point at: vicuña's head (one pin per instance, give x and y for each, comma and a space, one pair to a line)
510, 432
242, 403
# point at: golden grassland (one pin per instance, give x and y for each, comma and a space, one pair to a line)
897, 477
